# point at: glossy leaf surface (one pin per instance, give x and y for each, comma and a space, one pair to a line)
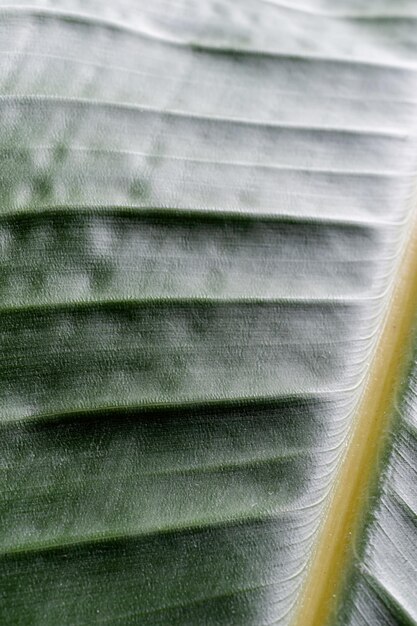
204, 207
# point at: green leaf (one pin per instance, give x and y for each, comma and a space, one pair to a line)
205, 207
382, 580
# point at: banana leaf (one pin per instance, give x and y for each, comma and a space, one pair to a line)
207, 254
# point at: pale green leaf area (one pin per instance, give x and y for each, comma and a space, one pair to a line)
383, 581
204, 206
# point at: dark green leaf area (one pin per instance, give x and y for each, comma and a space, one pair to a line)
102, 509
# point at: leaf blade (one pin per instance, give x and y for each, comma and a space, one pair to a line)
75, 345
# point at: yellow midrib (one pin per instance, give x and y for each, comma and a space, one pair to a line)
349, 499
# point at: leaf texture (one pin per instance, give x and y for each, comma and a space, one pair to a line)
383, 581
203, 209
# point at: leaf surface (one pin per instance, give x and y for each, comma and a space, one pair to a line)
382, 580
204, 209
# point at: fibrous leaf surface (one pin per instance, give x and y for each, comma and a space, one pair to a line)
204, 208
